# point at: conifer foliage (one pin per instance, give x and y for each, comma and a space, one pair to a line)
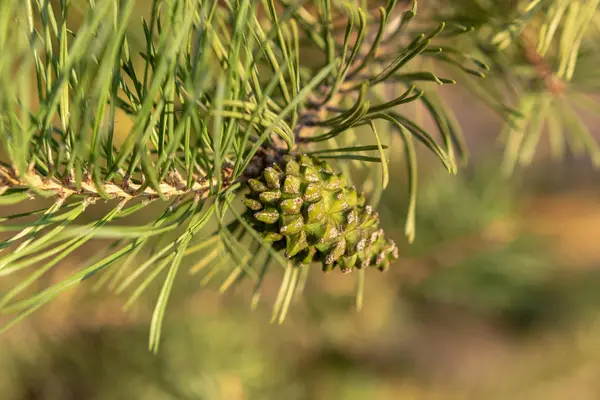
202, 105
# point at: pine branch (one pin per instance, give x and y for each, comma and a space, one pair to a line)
534, 50
174, 186
216, 98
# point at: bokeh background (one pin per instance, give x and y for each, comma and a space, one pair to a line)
497, 298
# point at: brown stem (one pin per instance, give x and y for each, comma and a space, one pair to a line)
544, 70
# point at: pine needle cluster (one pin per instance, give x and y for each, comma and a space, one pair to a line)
181, 108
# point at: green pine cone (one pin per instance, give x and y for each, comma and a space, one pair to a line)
305, 208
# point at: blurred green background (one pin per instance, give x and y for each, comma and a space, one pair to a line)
497, 298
